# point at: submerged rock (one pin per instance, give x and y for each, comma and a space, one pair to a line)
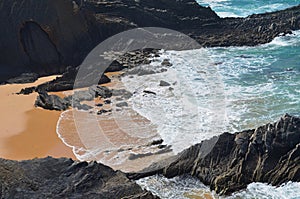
164, 83
64, 178
229, 162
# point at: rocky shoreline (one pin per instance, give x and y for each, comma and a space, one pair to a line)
269, 154
91, 22
226, 163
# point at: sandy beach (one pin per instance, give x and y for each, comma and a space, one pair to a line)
28, 132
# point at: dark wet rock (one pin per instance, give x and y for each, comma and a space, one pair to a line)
122, 104
107, 101
123, 93
100, 91
26, 91
102, 111
156, 142
51, 102
149, 92
230, 162
23, 78
83, 96
162, 146
67, 80
164, 83
115, 66
64, 178
163, 70
81, 106
166, 62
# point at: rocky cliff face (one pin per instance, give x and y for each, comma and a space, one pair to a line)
270, 153
64, 178
47, 36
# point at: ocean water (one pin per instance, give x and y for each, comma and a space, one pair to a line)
243, 8
260, 84
211, 91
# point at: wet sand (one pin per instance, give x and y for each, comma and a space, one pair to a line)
111, 138
26, 131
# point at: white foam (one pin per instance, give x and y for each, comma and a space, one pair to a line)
184, 186
193, 109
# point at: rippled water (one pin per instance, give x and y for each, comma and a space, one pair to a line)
242, 8
259, 84
211, 91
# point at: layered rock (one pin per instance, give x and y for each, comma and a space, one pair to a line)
64, 178
45, 37
270, 154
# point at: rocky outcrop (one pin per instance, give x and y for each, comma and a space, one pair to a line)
270, 154
54, 102
51, 102
48, 36
64, 178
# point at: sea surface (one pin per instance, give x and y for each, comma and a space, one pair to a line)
214, 90
243, 8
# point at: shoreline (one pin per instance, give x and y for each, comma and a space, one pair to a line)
28, 132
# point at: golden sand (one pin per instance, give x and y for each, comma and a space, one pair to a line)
26, 131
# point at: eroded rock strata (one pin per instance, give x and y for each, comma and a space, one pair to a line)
64, 178
270, 154
46, 37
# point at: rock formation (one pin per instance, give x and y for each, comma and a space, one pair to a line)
64, 178
270, 154
48, 36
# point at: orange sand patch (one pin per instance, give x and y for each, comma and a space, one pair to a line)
26, 131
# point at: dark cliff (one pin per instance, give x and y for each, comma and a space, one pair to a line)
47, 36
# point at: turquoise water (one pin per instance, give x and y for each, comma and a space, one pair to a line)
234, 8
260, 84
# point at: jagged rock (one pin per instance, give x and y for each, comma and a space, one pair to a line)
115, 66
164, 83
26, 91
64, 178
149, 92
166, 62
66, 82
229, 162
103, 111
51, 102
100, 91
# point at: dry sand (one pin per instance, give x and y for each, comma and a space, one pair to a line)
26, 131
